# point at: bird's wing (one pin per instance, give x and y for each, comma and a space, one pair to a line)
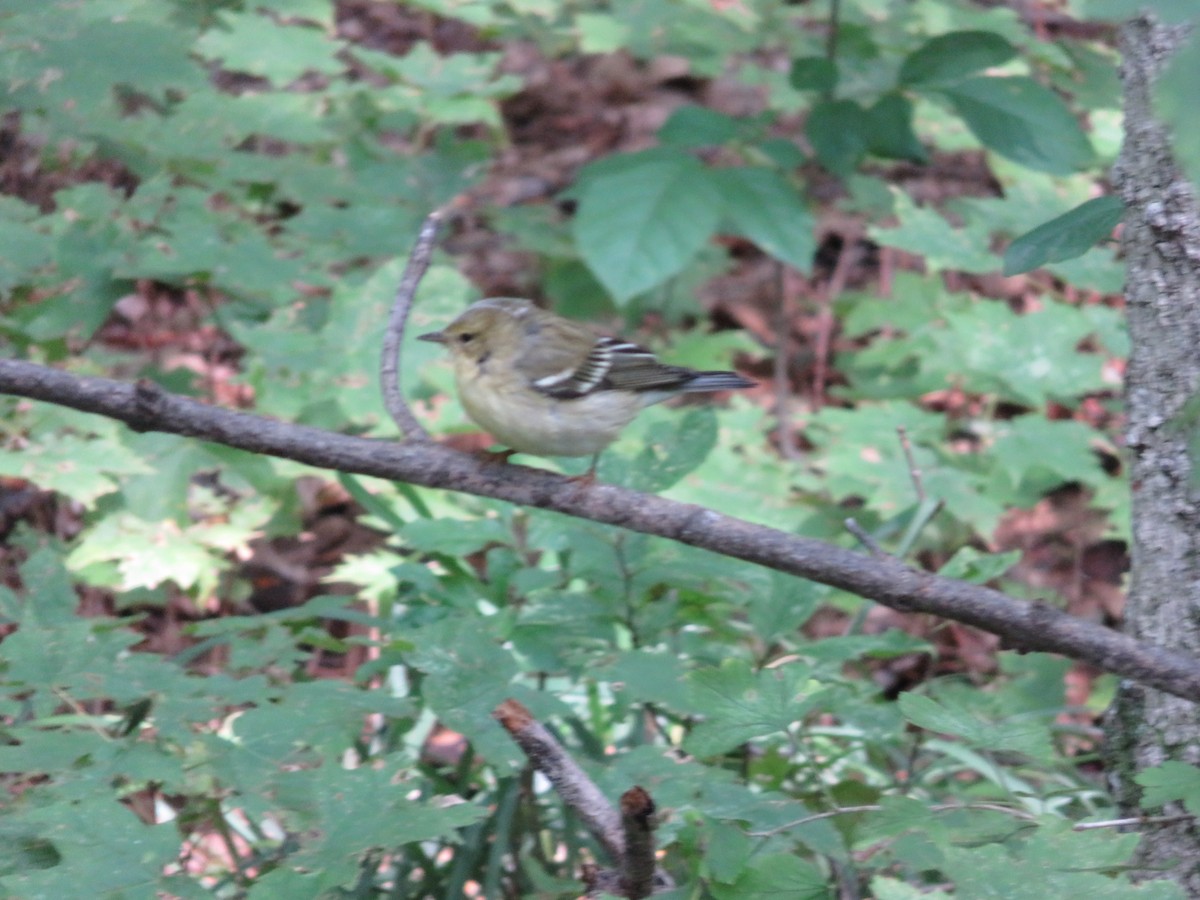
575, 363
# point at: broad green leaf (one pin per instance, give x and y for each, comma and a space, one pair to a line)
453, 536
1173, 780
759, 204
468, 674
813, 73
1020, 119
1171, 11
148, 554
27, 249
1175, 96
775, 877
258, 44
642, 224
779, 612
1050, 864
356, 810
969, 564
53, 603
884, 888
95, 841
672, 447
697, 126
926, 232
927, 713
647, 675
727, 850
840, 133
1029, 358
890, 133
81, 469
1071, 234
1020, 451
601, 32
739, 705
949, 57
121, 50
952, 716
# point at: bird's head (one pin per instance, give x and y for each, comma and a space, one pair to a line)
488, 329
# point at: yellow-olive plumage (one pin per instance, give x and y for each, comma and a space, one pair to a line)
545, 385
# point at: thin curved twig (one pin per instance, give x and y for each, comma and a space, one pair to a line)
875, 807
389, 366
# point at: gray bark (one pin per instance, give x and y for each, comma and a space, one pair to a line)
1162, 248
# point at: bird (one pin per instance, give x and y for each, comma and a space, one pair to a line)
548, 386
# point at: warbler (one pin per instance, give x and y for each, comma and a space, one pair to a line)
545, 385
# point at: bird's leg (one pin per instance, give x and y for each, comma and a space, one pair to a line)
588, 477
495, 456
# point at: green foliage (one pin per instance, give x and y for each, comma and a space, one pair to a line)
1168, 782
1173, 91
1070, 235
643, 217
280, 205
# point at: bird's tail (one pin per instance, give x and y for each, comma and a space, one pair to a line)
715, 381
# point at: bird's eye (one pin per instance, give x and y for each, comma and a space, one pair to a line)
466, 338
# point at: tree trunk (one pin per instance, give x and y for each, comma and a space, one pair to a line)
1162, 292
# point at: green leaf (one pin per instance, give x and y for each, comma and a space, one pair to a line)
1070, 235
1173, 780
257, 44
647, 675
884, 888
74, 466
840, 133
762, 206
1175, 103
813, 73
673, 446
1029, 358
1051, 862
54, 602
697, 126
96, 841
890, 133
601, 32
926, 232
927, 713
348, 812
953, 716
454, 536
949, 57
969, 564
640, 225
774, 877
1020, 119
26, 249
148, 554
468, 675
1019, 450
785, 607
740, 705
1173, 12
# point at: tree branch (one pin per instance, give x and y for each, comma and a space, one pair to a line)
577, 790
389, 367
1022, 625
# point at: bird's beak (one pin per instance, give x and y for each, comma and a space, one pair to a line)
434, 337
